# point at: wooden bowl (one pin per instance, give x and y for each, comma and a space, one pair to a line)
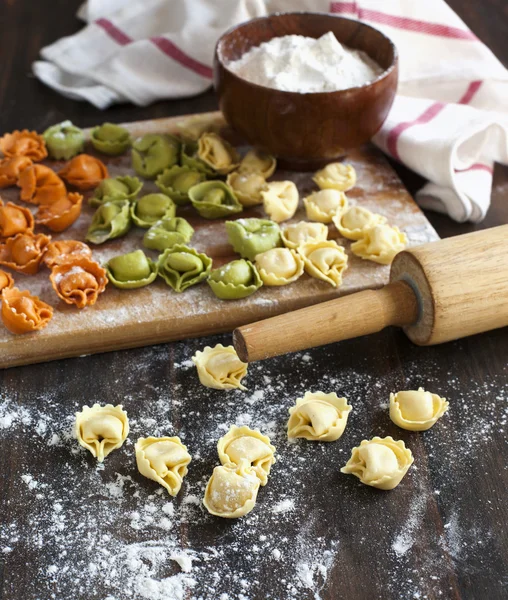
305, 131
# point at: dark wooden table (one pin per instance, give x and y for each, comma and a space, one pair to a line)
70, 530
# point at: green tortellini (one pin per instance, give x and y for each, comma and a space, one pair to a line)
189, 158
111, 220
214, 199
110, 139
177, 181
149, 209
168, 232
235, 280
153, 153
181, 267
116, 188
64, 140
250, 237
132, 270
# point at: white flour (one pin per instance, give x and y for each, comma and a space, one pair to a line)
294, 63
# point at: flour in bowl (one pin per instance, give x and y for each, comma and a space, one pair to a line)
294, 63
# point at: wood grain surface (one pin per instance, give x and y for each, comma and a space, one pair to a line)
440, 535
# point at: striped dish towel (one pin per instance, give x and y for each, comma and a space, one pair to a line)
449, 121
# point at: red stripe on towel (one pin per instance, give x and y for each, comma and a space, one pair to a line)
114, 33
179, 56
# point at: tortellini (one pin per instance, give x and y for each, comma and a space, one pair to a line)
132, 270
247, 187
220, 368
101, 429
244, 443
117, 188
258, 162
65, 250
214, 199
279, 266
355, 221
22, 312
416, 410
189, 158
111, 220
232, 490
299, 233
379, 462
280, 200
151, 208
323, 205
40, 185
250, 237
84, 171
380, 244
24, 252
166, 233
164, 460
111, 139
62, 213
64, 140
15, 219
217, 153
6, 281
10, 169
235, 280
318, 417
153, 153
181, 267
78, 281
324, 260
23, 143
177, 181
337, 176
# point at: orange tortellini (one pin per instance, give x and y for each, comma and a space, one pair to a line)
64, 250
6, 280
24, 143
22, 312
84, 172
40, 185
24, 252
10, 168
78, 281
14, 219
62, 213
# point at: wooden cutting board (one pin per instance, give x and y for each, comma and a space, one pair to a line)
154, 314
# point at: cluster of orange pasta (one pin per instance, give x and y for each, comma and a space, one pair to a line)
75, 277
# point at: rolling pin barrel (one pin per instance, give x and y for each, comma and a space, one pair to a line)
440, 291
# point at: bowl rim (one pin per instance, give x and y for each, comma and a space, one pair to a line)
380, 77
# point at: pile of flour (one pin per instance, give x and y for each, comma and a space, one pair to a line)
294, 63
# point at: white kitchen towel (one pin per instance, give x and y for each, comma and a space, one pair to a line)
449, 121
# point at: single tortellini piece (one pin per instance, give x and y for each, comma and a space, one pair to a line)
416, 410
379, 462
189, 158
256, 161
380, 244
280, 200
131, 270
151, 208
336, 176
64, 140
110, 139
214, 199
247, 187
101, 429
217, 153
244, 443
250, 237
111, 220
177, 181
318, 417
166, 233
153, 153
355, 221
279, 266
182, 267
116, 188
220, 368
299, 233
324, 260
235, 280
232, 490
322, 206
164, 460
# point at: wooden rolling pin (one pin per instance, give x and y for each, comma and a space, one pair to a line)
438, 292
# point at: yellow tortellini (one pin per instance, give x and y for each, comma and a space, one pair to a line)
232, 490
101, 429
244, 443
380, 244
324, 260
318, 417
220, 368
247, 187
279, 266
355, 221
217, 153
280, 200
164, 460
299, 233
337, 176
416, 410
258, 162
379, 462
322, 206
